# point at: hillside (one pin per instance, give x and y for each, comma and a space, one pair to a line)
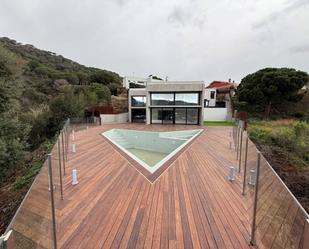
38, 91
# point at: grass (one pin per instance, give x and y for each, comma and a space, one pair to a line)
218, 123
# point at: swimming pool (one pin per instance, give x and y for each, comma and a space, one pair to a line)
150, 149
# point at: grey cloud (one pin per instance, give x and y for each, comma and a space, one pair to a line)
291, 6
184, 39
179, 16
300, 49
183, 16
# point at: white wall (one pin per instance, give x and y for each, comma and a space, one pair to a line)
114, 118
215, 114
212, 102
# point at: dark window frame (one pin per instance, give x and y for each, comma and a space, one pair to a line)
212, 94
206, 103
174, 109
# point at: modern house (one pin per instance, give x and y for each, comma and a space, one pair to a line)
167, 102
217, 101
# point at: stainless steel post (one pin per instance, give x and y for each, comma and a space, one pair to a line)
240, 150
66, 143
252, 241
237, 144
63, 152
50, 171
236, 137
60, 170
245, 167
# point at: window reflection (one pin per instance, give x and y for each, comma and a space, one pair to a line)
138, 101
162, 99
186, 99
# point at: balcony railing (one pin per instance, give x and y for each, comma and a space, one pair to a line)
278, 219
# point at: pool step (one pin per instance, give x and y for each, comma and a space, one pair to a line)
119, 139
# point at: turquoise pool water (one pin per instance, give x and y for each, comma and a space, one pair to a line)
150, 149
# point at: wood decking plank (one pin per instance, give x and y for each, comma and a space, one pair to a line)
187, 204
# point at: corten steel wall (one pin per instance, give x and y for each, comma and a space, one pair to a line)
278, 219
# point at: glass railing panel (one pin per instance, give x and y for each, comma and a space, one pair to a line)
280, 219
32, 227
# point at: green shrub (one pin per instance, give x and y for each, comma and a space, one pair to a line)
288, 136
260, 134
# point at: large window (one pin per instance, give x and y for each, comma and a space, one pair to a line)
162, 99
186, 98
138, 101
175, 98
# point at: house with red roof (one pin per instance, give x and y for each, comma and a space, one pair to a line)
218, 100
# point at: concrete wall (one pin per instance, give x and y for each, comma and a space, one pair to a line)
114, 118
215, 114
135, 92
175, 86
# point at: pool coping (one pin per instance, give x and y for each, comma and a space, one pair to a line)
153, 176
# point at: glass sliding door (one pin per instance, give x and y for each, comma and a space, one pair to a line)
156, 115
180, 115
139, 115
192, 115
168, 115
176, 115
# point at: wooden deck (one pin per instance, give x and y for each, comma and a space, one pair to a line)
190, 205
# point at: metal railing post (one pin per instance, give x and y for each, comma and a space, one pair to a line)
245, 167
258, 163
237, 145
60, 170
236, 136
240, 150
63, 152
50, 171
66, 142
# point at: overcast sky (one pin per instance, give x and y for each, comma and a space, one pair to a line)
184, 39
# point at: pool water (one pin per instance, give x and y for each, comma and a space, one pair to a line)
150, 149
148, 156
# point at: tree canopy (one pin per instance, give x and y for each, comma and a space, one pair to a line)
269, 87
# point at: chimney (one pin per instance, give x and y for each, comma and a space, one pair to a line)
229, 80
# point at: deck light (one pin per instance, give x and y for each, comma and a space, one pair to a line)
74, 177
231, 176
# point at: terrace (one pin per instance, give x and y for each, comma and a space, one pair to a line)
189, 204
